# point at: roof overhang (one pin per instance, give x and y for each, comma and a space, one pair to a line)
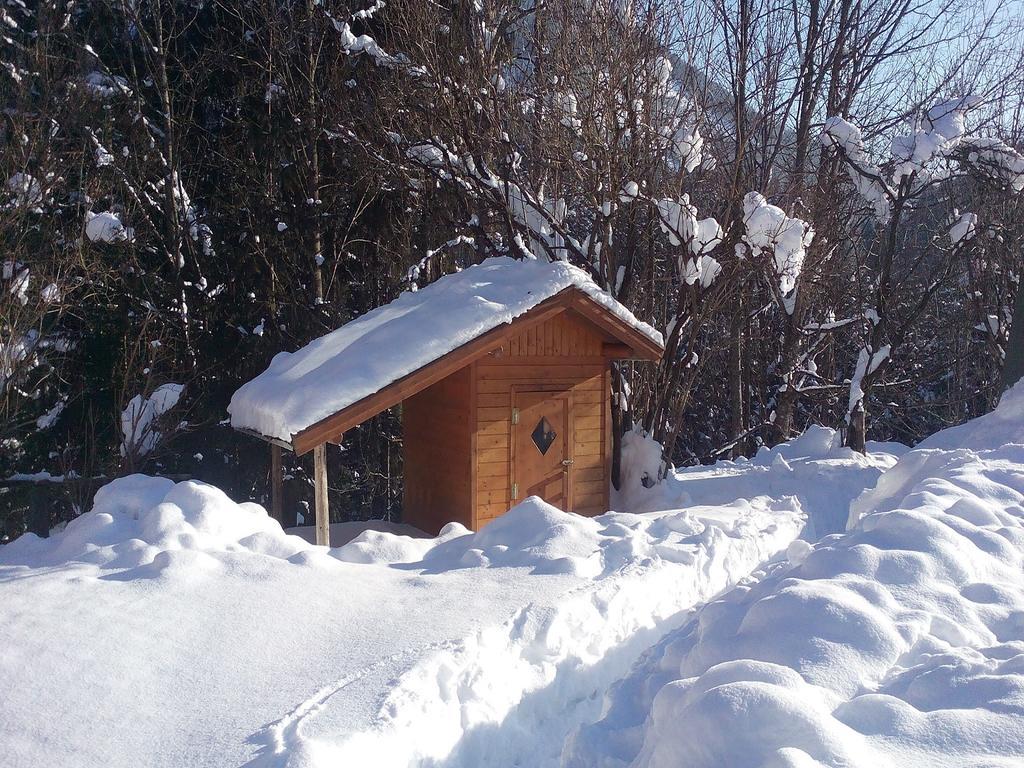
629, 344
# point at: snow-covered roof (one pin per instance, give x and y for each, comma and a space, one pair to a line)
364, 356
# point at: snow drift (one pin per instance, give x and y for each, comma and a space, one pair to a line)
141, 521
814, 468
899, 643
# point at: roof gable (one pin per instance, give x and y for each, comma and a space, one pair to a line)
376, 361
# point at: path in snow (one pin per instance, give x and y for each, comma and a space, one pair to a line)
511, 693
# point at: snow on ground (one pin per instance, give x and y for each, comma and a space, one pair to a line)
171, 626
814, 468
900, 643
343, 533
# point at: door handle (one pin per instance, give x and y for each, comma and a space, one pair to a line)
567, 463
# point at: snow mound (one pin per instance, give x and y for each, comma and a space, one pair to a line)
388, 548
641, 465
1003, 426
899, 643
141, 521
546, 540
364, 356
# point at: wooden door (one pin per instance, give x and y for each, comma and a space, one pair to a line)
541, 438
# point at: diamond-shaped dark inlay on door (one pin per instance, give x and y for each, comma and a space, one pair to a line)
543, 435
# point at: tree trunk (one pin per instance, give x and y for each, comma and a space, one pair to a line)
785, 408
621, 421
313, 125
737, 420
1013, 364
856, 429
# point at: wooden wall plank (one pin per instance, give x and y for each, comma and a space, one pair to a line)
437, 445
587, 487
492, 469
487, 442
540, 373
492, 414
588, 474
492, 510
487, 498
492, 455
494, 400
491, 428
497, 483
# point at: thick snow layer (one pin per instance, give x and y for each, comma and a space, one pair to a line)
339, 369
900, 643
171, 626
1002, 426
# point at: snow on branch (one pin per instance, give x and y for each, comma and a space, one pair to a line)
678, 219
995, 159
940, 131
139, 418
866, 177
768, 228
965, 228
923, 154
868, 361
106, 227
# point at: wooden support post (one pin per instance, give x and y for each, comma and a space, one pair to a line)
276, 474
323, 515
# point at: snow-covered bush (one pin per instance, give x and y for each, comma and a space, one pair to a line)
141, 417
642, 463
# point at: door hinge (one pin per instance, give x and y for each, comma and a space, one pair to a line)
515, 491
515, 420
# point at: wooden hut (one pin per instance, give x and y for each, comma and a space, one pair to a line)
502, 371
